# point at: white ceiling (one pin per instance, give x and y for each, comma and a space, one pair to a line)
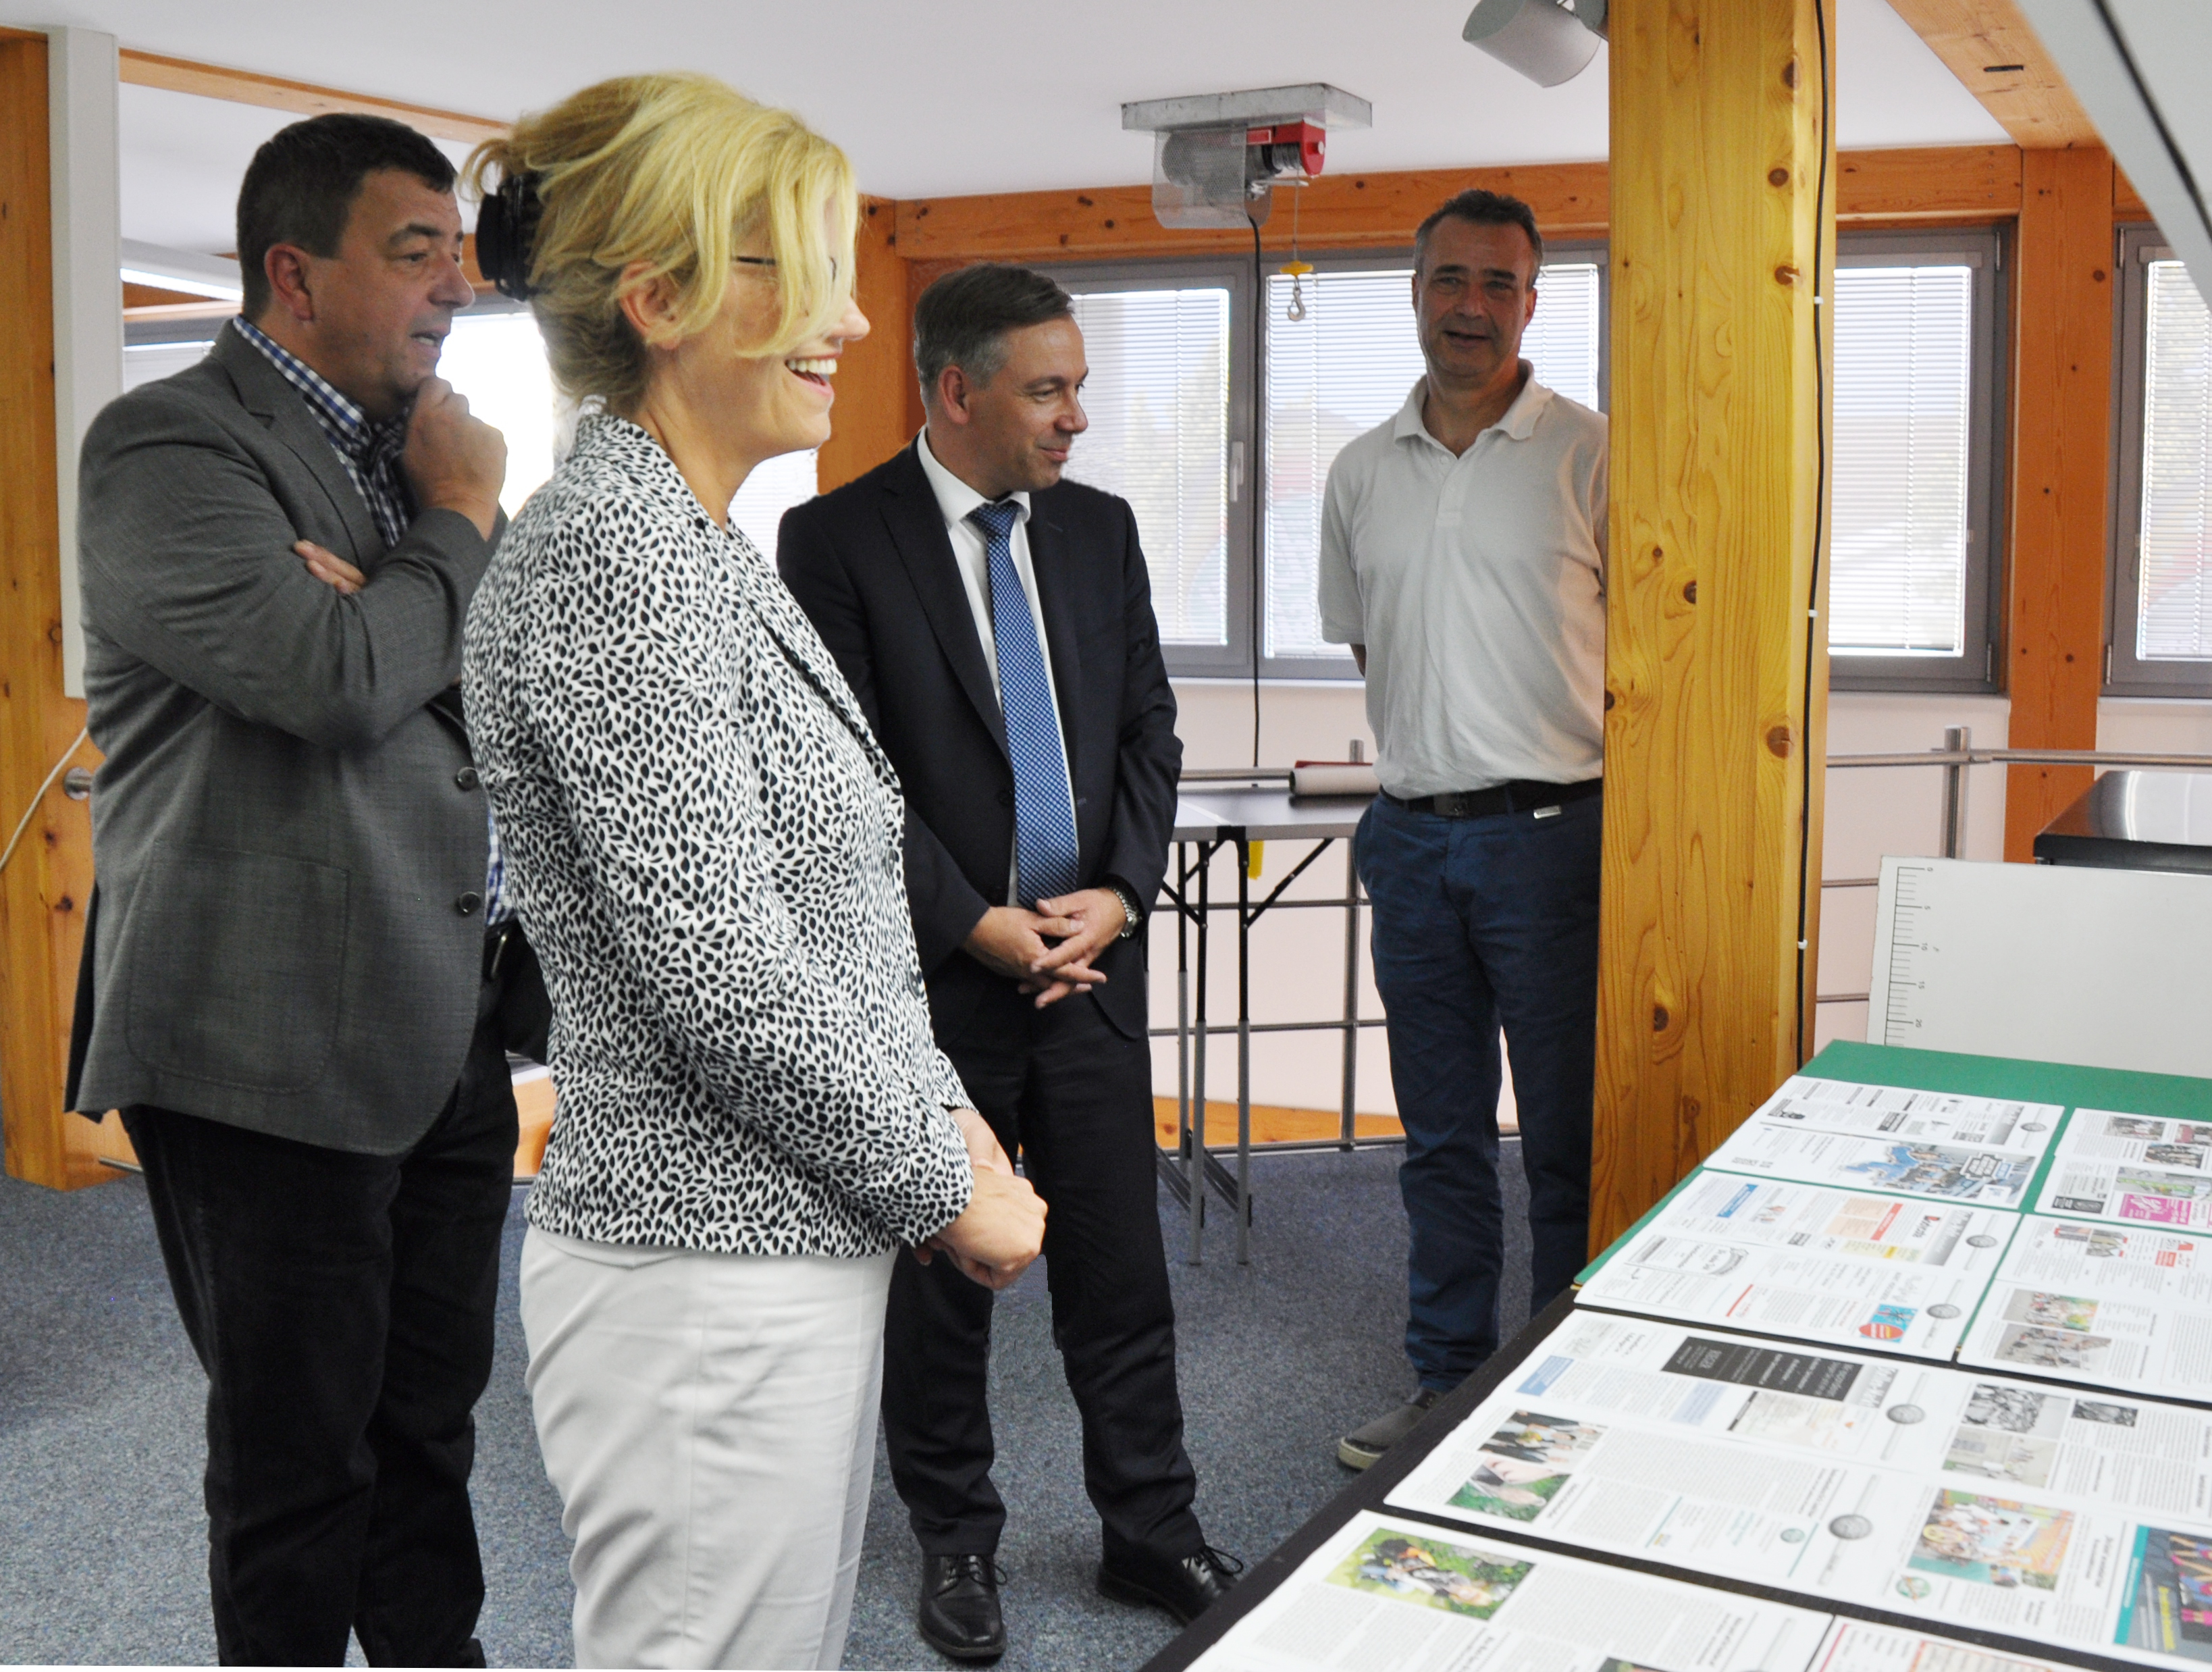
953, 97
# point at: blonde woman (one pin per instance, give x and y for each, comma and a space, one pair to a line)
702, 837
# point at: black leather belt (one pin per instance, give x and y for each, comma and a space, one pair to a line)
1521, 795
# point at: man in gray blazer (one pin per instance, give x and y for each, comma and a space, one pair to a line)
288, 989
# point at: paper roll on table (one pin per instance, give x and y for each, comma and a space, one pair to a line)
1334, 778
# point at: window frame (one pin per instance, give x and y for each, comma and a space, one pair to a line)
1233, 659
2126, 674
1334, 670
1984, 248
1592, 250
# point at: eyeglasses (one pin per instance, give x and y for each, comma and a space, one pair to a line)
769, 261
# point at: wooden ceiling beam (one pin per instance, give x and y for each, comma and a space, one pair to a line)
1989, 46
246, 86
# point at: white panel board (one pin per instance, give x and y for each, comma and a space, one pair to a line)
87, 232
2053, 963
2138, 68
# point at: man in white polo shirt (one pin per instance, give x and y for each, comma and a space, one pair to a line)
1462, 558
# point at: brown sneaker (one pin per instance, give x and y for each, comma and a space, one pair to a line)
1362, 1446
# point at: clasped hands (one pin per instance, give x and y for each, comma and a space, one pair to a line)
1002, 1228
1048, 951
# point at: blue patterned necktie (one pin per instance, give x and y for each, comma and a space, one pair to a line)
1044, 823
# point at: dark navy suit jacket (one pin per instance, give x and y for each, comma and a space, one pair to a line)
873, 565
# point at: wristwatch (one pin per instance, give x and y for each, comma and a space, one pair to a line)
1133, 917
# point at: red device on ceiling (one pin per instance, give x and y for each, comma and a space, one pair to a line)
1289, 149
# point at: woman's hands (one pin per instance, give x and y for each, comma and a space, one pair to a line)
983, 1143
1002, 1228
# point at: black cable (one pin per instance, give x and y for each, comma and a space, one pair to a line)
1821, 302
1252, 469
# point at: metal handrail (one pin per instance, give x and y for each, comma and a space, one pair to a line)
1968, 756
1957, 754
1944, 757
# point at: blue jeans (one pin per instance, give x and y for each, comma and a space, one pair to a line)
1480, 923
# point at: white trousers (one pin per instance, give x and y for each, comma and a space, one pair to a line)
709, 1421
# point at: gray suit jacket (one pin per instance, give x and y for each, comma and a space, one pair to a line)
288, 821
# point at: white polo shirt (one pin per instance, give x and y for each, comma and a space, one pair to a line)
1477, 584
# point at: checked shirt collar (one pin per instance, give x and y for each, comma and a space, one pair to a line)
370, 452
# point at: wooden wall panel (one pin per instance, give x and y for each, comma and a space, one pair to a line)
246, 86
1939, 183
1339, 212
44, 888
2061, 462
2127, 202
1714, 689
1907, 186
868, 422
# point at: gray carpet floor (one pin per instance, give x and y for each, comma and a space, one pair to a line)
102, 1536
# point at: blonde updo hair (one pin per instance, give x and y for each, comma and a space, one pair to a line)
671, 171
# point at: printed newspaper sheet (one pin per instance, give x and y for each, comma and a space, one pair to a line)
2083, 1524
1812, 1263
1388, 1592
1918, 1117
1858, 1645
2133, 1170
1923, 1144
2116, 1306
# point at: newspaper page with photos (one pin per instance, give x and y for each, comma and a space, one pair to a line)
1927, 1144
1815, 1264
2134, 1170
2115, 1305
1859, 1645
1918, 1117
1918, 1488
1391, 1592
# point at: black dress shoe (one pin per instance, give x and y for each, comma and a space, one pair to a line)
1186, 1586
959, 1614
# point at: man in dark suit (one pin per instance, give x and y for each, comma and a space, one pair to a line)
996, 624
288, 988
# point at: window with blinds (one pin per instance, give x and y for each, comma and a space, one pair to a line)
1914, 482
775, 485
1898, 540
1158, 399
2173, 594
497, 359
1348, 366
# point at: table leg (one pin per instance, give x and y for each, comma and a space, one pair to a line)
1351, 988
1197, 1174
1243, 1052
1182, 1024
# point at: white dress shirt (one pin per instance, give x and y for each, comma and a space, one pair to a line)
956, 499
1477, 583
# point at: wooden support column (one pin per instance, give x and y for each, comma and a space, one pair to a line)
1716, 678
868, 423
2061, 463
44, 888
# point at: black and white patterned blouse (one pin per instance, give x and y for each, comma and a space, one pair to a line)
703, 843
